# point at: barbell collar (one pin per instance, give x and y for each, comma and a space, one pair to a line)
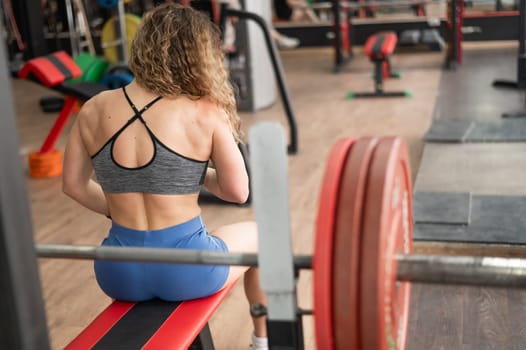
465, 270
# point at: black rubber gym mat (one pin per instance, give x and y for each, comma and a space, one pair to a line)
467, 91
503, 130
448, 130
462, 130
494, 219
442, 208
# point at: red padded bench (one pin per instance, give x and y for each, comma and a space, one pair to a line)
379, 47
152, 325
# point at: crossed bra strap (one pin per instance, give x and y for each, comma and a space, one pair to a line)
138, 113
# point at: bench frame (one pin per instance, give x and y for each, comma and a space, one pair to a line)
379, 51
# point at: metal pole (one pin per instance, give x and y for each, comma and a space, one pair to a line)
73, 35
156, 255
521, 61
23, 323
278, 72
123, 48
440, 269
467, 270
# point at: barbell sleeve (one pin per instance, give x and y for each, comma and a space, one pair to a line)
466, 270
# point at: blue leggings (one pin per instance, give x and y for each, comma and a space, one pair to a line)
133, 281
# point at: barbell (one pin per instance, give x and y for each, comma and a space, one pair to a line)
362, 262
420, 268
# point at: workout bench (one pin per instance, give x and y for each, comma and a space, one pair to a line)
55, 71
152, 325
379, 47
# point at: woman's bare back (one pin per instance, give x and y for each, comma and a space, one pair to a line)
182, 125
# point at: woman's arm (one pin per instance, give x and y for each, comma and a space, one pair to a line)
76, 177
229, 179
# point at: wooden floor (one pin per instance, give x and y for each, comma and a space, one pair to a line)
441, 317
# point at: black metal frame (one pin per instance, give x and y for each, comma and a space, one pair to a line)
379, 82
204, 340
278, 72
285, 335
520, 83
292, 147
340, 56
453, 56
30, 20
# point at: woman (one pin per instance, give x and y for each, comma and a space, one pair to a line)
149, 145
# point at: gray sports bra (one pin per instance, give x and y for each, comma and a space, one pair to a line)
168, 172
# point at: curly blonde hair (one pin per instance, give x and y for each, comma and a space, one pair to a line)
177, 52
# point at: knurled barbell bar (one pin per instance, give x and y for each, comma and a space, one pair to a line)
363, 244
440, 269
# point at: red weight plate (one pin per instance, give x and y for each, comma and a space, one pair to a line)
346, 273
323, 249
387, 231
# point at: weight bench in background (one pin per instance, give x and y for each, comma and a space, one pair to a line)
379, 47
152, 325
55, 71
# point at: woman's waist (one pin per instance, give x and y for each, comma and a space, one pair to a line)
150, 213
180, 230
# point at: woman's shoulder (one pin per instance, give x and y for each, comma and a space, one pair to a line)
99, 101
211, 110
92, 109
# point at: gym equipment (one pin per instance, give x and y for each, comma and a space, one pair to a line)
107, 3
12, 30
115, 46
116, 37
428, 37
366, 202
292, 148
449, 208
520, 83
477, 27
23, 317
51, 104
342, 42
379, 47
220, 13
466, 130
93, 69
53, 71
454, 36
171, 325
481, 216
343, 26
250, 71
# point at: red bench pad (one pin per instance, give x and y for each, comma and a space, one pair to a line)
178, 330
380, 45
51, 70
